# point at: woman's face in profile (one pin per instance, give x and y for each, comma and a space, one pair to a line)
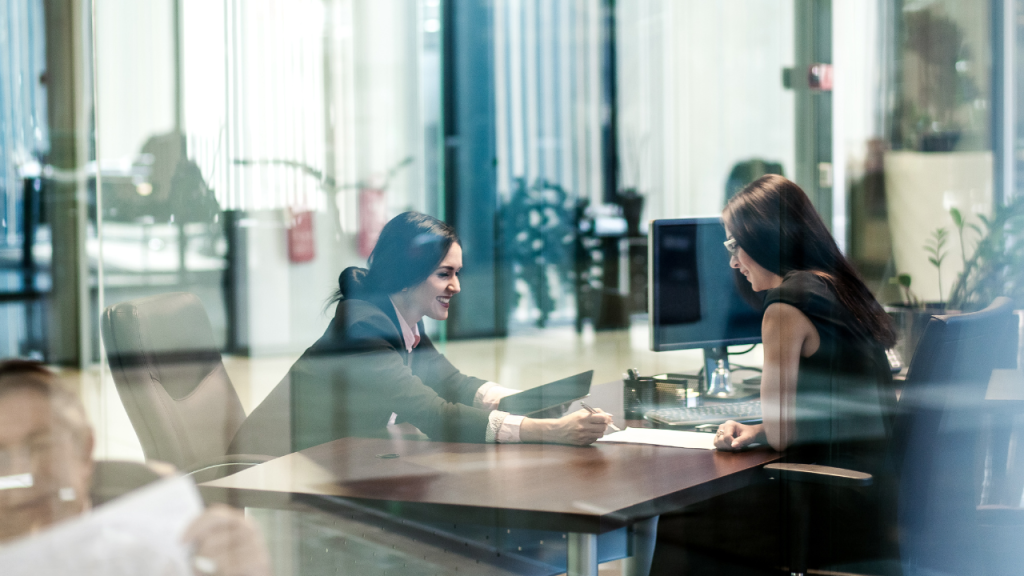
432, 297
760, 278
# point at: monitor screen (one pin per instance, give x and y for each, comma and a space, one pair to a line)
694, 301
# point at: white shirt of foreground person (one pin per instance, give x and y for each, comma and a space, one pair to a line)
140, 533
501, 426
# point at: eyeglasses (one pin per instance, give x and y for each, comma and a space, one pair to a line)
731, 246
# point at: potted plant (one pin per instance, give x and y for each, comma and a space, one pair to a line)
911, 315
938, 157
995, 268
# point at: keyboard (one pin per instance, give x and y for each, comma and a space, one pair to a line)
707, 414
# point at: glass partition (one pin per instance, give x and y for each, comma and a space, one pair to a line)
194, 200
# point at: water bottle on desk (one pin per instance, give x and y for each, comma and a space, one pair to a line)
718, 384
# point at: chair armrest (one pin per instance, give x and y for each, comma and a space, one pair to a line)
250, 459
225, 466
1000, 516
816, 474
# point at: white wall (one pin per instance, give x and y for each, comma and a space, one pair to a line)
287, 300
385, 35
857, 54
134, 46
373, 117
700, 88
253, 91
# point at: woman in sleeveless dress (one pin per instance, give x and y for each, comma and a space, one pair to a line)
826, 394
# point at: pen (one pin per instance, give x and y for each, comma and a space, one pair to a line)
592, 411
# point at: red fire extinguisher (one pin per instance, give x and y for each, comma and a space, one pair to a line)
301, 242
372, 217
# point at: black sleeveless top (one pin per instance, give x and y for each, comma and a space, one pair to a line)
845, 398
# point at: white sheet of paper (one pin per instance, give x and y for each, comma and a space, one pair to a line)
673, 438
139, 533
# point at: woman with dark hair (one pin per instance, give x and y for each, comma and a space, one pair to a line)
374, 365
824, 334
826, 392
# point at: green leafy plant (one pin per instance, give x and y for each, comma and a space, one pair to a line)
904, 281
996, 268
958, 221
936, 250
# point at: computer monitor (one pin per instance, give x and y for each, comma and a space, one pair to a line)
693, 300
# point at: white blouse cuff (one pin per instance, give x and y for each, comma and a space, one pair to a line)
489, 394
503, 427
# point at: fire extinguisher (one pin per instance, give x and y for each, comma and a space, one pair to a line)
373, 214
301, 242
373, 209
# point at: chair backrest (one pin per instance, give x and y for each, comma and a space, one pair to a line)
169, 375
936, 433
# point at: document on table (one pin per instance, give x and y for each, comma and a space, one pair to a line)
137, 534
674, 438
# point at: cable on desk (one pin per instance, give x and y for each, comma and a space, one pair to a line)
741, 368
752, 346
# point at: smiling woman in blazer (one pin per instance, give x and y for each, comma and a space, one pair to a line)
375, 365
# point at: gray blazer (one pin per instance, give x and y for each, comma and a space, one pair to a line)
353, 378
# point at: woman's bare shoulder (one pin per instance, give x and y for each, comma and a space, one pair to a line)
785, 323
780, 316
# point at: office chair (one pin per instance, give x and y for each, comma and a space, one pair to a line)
169, 375
934, 453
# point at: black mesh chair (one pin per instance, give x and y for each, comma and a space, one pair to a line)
936, 452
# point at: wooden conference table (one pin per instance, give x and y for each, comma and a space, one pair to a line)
583, 491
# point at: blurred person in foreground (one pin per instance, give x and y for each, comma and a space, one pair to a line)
826, 394
44, 433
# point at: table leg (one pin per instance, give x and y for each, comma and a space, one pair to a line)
582, 559
642, 536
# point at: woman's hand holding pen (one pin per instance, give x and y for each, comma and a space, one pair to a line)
579, 428
733, 436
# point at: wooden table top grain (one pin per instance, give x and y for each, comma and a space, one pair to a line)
589, 489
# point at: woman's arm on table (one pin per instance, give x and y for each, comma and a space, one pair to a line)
787, 335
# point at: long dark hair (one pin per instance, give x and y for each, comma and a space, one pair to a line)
776, 225
409, 248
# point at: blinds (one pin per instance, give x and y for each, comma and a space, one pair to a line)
253, 100
23, 128
547, 94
